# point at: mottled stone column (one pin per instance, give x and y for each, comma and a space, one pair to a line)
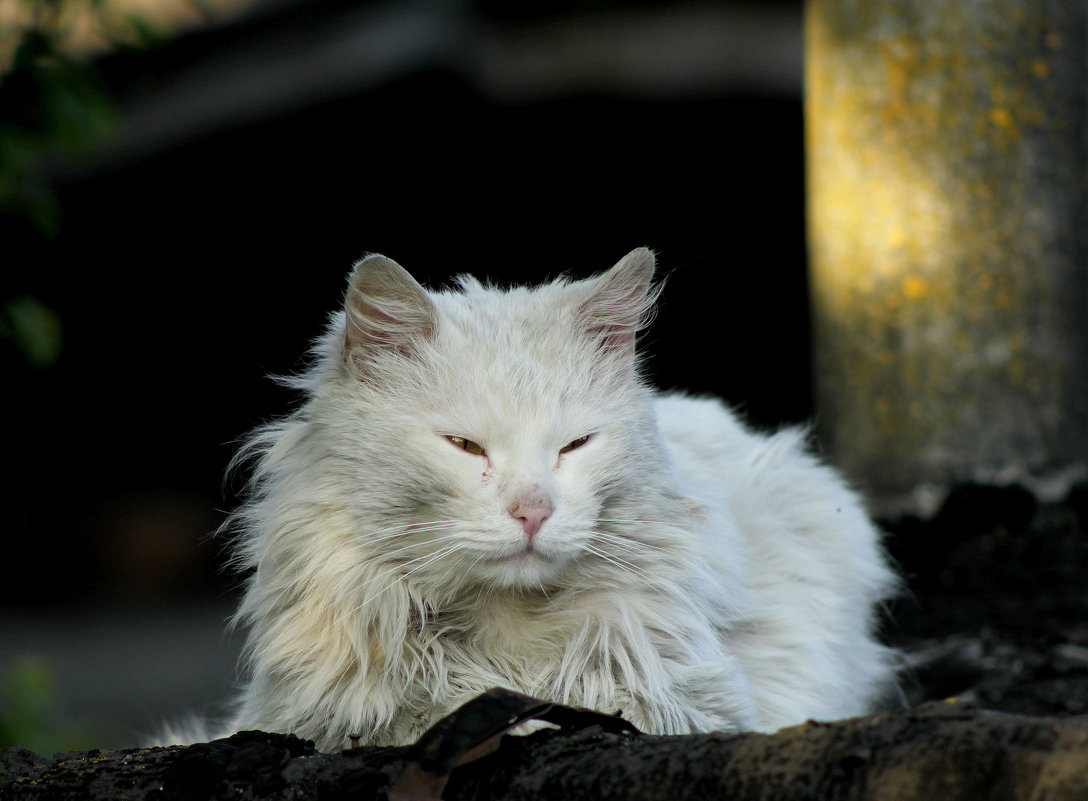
948, 234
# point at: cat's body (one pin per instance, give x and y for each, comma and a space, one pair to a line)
479, 491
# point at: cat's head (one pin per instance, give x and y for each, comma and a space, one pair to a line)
492, 434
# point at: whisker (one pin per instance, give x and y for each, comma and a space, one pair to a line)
634, 520
398, 532
401, 565
425, 561
408, 546
619, 562
626, 543
627, 567
393, 532
640, 570
543, 590
394, 555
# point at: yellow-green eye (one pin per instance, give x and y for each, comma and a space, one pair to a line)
578, 443
466, 445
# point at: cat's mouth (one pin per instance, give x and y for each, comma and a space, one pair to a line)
526, 565
528, 552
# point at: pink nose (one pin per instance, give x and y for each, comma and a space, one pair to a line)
531, 515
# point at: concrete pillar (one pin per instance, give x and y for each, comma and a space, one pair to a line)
948, 234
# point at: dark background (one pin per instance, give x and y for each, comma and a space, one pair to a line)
185, 273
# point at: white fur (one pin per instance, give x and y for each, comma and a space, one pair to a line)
691, 573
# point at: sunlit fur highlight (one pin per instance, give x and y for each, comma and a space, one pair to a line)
694, 575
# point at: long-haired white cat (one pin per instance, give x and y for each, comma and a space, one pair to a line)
480, 491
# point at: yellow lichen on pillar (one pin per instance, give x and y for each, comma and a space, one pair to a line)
948, 237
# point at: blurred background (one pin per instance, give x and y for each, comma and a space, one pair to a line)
184, 185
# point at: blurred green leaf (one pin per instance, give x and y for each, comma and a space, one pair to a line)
34, 328
30, 715
55, 104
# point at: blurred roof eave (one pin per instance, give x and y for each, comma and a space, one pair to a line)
279, 57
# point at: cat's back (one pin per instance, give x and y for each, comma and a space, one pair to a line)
811, 559
783, 499
708, 443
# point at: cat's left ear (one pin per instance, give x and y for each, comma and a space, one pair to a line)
621, 302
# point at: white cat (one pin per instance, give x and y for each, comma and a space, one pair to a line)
480, 491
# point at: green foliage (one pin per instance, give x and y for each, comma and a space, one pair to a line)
30, 714
34, 328
52, 105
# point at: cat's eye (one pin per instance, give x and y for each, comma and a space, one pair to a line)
466, 445
574, 445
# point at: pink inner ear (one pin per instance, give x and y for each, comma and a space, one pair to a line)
621, 301
386, 323
367, 335
386, 311
612, 321
616, 337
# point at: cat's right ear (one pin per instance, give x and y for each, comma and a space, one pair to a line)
621, 302
385, 310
